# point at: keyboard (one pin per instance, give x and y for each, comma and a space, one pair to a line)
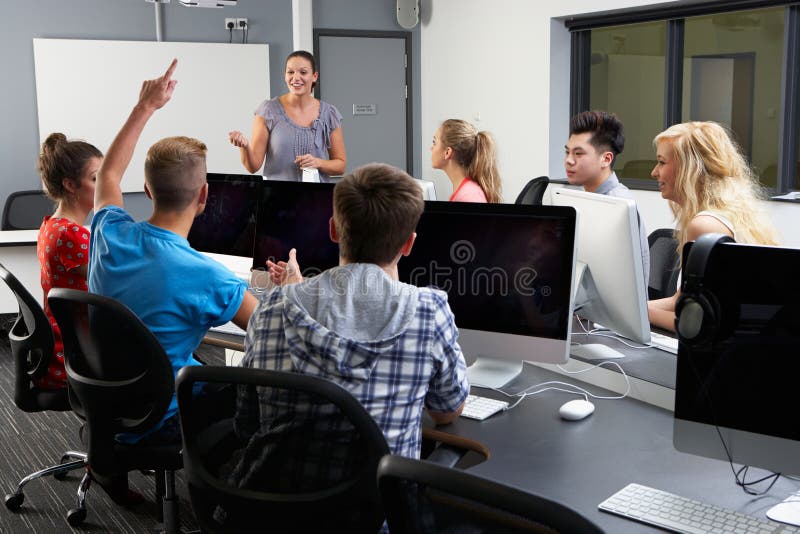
679, 514
665, 343
479, 408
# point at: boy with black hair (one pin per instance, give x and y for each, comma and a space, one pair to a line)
596, 138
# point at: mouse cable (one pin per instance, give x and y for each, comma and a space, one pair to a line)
600, 333
550, 386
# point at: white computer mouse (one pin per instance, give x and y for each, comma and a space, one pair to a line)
575, 410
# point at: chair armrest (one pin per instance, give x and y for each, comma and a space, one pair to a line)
449, 448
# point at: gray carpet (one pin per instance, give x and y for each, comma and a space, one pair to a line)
29, 442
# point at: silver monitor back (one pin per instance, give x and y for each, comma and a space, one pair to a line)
608, 244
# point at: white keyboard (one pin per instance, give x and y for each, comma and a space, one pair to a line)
665, 343
228, 328
480, 408
679, 514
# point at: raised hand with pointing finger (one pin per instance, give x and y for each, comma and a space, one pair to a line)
155, 93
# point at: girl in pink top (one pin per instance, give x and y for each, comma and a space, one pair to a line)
468, 158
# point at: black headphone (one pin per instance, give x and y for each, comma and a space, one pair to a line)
697, 312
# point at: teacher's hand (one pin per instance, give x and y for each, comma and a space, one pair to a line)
238, 139
307, 161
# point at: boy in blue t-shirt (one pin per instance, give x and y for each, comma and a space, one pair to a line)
149, 266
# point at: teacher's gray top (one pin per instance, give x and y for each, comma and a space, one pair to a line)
287, 140
613, 188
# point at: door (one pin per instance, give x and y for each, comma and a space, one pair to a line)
365, 75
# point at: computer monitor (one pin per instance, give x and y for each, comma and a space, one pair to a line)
296, 215
610, 285
227, 225
506, 269
428, 189
736, 395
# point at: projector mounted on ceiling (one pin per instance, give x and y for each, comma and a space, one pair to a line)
198, 3
207, 3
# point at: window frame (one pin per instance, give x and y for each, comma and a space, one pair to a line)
581, 27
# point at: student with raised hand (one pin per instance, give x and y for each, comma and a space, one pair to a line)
68, 170
469, 159
294, 131
596, 138
392, 345
710, 189
149, 266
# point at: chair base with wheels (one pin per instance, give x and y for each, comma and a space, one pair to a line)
14, 500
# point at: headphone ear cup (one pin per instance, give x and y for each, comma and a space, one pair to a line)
697, 319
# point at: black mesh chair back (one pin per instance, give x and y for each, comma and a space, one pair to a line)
24, 210
305, 463
422, 497
31, 340
532, 193
664, 263
120, 381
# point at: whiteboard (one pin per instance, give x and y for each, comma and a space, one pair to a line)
86, 90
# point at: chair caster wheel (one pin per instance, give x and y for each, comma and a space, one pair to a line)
76, 516
14, 501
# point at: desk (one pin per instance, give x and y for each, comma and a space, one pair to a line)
582, 463
18, 255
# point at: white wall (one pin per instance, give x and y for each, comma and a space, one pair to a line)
514, 77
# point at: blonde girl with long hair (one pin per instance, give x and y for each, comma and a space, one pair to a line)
710, 189
469, 159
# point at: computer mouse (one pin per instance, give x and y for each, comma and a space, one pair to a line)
575, 410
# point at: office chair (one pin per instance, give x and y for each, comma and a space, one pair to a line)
24, 210
120, 381
420, 496
311, 468
31, 340
664, 263
532, 193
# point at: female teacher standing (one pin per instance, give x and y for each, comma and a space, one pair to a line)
295, 131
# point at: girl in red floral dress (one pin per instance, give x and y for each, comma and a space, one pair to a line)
68, 170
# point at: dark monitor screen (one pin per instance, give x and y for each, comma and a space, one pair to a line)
227, 225
506, 268
296, 215
742, 383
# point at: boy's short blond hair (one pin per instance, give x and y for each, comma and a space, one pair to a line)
375, 210
174, 171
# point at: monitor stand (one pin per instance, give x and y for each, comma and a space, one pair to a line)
787, 511
584, 293
492, 372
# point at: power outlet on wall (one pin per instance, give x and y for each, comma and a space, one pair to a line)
230, 24
241, 24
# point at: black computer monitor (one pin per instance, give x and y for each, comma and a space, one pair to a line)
507, 271
736, 394
227, 225
296, 215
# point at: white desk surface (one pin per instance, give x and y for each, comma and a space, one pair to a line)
10, 238
18, 255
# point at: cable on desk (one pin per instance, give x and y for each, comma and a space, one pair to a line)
576, 390
597, 332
